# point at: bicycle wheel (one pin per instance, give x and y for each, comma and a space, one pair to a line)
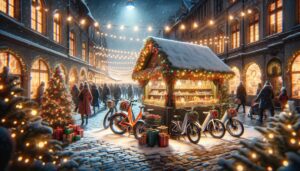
115, 123
216, 128
107, 119
235, 127
174, 129
193, 133
139, 129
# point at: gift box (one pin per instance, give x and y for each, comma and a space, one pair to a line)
68, 137
163, 140
80, 132
58, 134
68, 130
74, 127
76, 138
163, 129
152, 137
143, 139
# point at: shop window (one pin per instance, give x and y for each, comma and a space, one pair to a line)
296, 78
156, 92
83, 51
92, 58
57, 28
253, 78
72, 44
220, 43
274, 73
9, 60
9, 7
37, 16
275, 16
235, 81
253, 28
235, 35
73, 77
39, 73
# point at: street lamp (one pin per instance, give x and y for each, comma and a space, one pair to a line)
130, 5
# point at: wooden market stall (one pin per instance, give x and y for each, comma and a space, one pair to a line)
176, 75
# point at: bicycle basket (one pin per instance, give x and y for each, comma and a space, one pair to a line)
232, 112
193, 117
110, 104
214, 114
124, 106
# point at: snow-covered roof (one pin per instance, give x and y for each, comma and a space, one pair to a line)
183, 55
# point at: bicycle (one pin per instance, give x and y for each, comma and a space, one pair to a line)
213, 125
232, 124
189, 127
112, 109
121, 123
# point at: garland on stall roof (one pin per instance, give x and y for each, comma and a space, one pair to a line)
151, 48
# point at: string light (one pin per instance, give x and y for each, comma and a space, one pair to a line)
109, 26
293, 141
69, 18
56, 15
122, 27
230, 17
269, 168
96, 24
271, 136
253, 155
33, 112
135, 28
195, 25
211, 22
239, 167
289, 126
285, 163
150, 29
1, 87
243, 14
270, 151
82, 21
182, 27
167, 28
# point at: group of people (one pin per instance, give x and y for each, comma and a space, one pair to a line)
87, 95
264, 95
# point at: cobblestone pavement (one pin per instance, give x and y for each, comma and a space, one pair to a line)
94, 154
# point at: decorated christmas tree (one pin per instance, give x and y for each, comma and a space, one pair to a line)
57, 102
34, 148
277, 150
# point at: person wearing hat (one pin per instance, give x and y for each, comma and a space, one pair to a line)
265, 98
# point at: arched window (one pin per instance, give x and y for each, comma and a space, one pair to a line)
83, 51
39, 74
253, 28
63, 71
253, 78
9, 60
235, 81
73, 77
10, 7
235, 34
296, 78
57, 28
37, 16
220, 42
275, 16
274, 73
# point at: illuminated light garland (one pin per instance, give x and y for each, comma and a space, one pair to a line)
118, 37
115, 50
121, 63
121, 57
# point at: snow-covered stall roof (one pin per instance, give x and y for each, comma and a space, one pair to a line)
175, 56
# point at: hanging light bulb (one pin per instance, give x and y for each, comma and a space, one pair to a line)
108, 26
96, 24
150, 28
122, 27
70, 18
130, 5
135, 28
167, 28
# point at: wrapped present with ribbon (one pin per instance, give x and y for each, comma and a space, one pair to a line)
76, 138
68, 137
152, 137
163, 140
74, 127
58, 133
80, 132
143, 139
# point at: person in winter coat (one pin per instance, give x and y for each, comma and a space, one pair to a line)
40, 93
259, 87
283, 98
265, 99
105, 94
100, 90
117, 94
75, 96
6, 148
80, 86
85, 100
130, 92
241, 94
96, 95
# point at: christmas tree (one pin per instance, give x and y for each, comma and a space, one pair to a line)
31, 139
57, 102
277, 150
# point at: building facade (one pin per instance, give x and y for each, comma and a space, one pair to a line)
258, 39
38, 35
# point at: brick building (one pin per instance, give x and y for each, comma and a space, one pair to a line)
37, 35
258, 39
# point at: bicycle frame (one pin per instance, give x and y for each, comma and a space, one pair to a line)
132, 122
207, 120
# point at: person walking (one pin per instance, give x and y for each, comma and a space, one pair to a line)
40, 93
80, 86
96, 95
117, 94
85, 99
283, 98
241, 95
130, 92
265, 98
105, 95
100, 90
75, 96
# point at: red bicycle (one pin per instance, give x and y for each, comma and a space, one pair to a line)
121, 123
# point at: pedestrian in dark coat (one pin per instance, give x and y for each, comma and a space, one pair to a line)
75, 96
265, 99
85, 100
105, 94
80, 86
241, 94
100, 90
6, 148
117, 94
96, 95
259, 87
283, 98
40, 93
130, 92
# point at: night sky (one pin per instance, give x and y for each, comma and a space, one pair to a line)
153, 13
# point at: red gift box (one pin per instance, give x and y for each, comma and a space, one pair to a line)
74, 127
143, 140
163, 140
58, 134
80, 132
68, 137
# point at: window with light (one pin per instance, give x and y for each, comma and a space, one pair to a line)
72, 44
275, 16
39, 73
253, 78
83, 51
9, 7
73, 77
37, 16
57, 28
296, 78
9, 60
92, 58
235, 35
253, 27
220, 43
